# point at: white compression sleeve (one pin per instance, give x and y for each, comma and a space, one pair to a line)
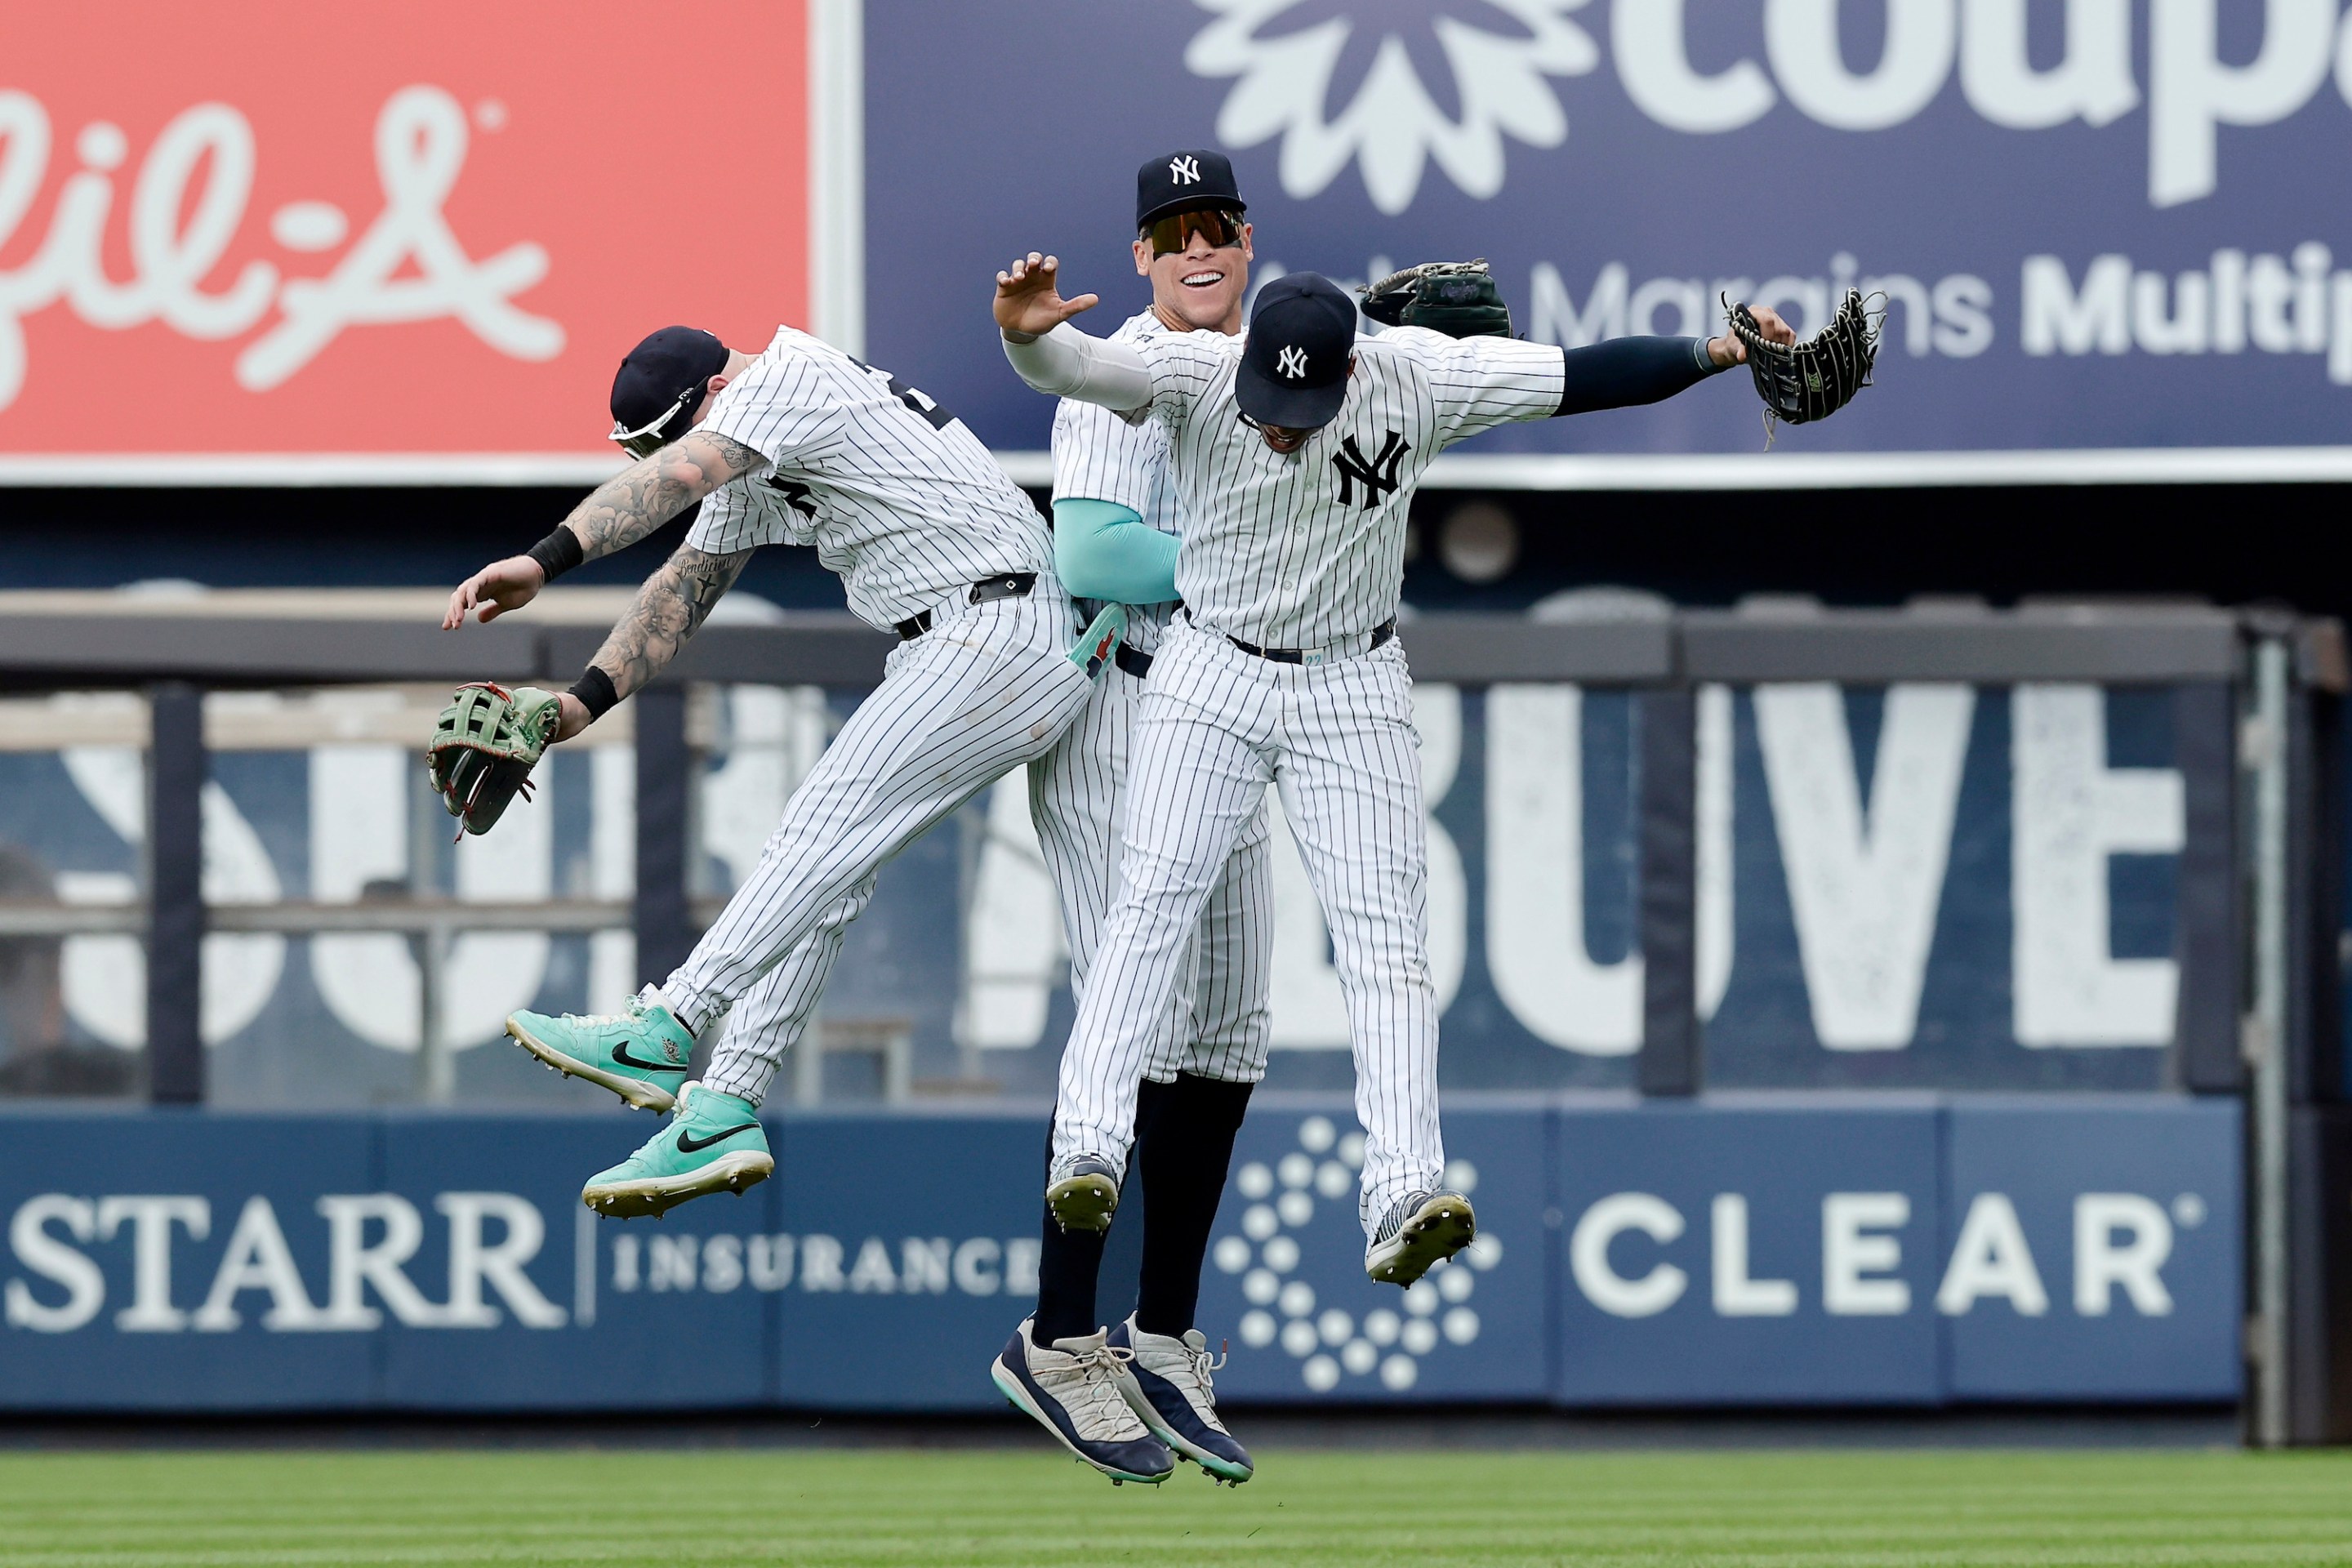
1067, 363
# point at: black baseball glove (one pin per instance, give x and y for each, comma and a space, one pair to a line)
1812, 380
1456, 298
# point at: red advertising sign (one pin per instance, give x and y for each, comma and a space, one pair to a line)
370, 228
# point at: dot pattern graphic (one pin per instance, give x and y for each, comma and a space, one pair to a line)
1338, 1342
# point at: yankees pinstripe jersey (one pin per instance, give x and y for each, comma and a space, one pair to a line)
1102, 456
1306, 548
897, 496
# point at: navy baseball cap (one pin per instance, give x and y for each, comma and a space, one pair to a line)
1294, 369
1197, 178
660, 386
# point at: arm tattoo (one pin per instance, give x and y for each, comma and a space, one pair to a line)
640, 499
673, 602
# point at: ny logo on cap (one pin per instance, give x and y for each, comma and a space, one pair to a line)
1292, 362
1184, 171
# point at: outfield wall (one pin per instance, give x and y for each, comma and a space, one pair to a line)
1732, 1250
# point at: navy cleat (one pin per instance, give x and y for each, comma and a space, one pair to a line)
1166, 1382
1071, 1389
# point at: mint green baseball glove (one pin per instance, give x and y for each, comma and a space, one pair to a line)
487, 742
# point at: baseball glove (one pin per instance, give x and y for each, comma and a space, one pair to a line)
1456, 298
1814, 379
484, 748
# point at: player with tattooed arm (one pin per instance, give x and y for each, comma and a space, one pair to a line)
800, 444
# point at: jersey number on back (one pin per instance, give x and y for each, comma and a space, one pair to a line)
797, 496
929, 411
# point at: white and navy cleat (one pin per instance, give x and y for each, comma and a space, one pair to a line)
1420, 1231
1071, 1389
1082, 1190
1166, 1382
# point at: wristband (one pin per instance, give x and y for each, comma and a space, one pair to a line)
557, 553
595, 692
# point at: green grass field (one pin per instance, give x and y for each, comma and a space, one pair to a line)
706, 1508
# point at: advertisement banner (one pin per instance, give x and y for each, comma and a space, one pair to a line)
2090, 224
2062, 1285
1929, 886
1790, 1249
1767, 1248
1866, 1251
375, 229
1287, 1277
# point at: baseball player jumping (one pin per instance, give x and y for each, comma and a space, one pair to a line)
802, 445
1122, 1398
1295, 455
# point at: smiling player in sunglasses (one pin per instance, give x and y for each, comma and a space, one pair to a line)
1128, 1397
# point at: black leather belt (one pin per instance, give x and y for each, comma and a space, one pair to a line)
1380, 634
1006, 586
1134, 661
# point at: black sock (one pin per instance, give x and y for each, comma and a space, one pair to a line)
1070, 1261
1066, 1266
1183, 1164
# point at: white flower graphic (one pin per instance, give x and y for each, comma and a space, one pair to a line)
1333, 1344
1393, 126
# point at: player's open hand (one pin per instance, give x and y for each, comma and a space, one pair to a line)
1727, 350
500, 586
1027, 306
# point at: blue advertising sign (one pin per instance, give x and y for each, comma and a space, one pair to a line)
536, 1303
193, 1262
930, 1262
1929, 886
1852, 1250
2061, 1285
2093, 225
1862, 1250
1771, 1256
1287, 1269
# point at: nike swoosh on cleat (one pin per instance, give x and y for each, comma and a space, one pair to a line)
687, 1143
621, 1055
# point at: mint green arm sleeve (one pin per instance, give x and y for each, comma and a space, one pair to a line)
1103, 550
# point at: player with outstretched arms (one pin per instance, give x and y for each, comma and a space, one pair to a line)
801, 445
1116, 524
1296, 453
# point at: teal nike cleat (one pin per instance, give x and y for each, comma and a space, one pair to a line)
715, 1141
640, 1054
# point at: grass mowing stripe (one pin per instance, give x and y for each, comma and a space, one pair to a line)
852, 1509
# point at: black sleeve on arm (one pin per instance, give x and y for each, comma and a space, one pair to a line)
1625, 372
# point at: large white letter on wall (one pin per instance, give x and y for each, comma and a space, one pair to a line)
104, 978
1863, 886
1801, 36
1653, 63
1013, 946
2069, 813
1536, 948
2192, 91
358, 834
2094, 81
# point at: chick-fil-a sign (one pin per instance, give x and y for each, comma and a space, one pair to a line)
379, 229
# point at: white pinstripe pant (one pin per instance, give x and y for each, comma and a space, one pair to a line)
988, 689
1216, 726
1217, 1024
